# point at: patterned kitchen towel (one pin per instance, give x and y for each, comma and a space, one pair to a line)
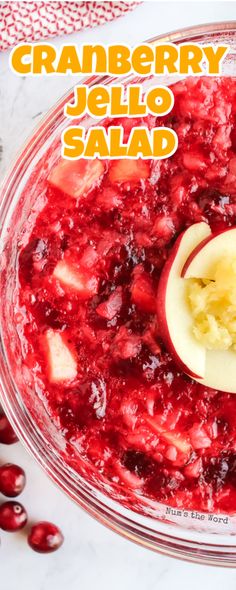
33, 21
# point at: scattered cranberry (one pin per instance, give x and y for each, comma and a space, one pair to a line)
13, 516
12, 480
45, 537
7, 434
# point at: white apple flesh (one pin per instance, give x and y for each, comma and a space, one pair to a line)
220, 367
174, 316
76, 178
220, 370
202, 262
61, 362
74, 279
68, 276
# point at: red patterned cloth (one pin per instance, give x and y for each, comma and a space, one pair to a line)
33, 21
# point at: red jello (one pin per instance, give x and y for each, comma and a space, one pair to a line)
87, 308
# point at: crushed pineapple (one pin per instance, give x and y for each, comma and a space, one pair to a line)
213, 307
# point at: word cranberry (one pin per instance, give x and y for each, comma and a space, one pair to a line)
45, 537
7, 434
12, 480
13, 516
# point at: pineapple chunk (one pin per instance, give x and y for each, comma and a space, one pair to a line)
61, 361
77, 280
213, 307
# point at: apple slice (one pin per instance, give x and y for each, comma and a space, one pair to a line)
220, 367
85, 284
174, 317
202, 262
61, 361
76, 177
220, 370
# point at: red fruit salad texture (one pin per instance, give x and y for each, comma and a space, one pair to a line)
88, 277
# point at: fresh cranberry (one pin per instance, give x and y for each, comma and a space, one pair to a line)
7, 434
13, 516
12, 480
45, 537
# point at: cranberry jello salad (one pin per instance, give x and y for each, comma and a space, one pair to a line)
127, 308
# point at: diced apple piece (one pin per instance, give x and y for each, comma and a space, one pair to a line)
174, 438
194, 469
84, 284
202, 262
194, 161
199, 437
61, 361
110, 308
174, 317
126, 345
128, 171
89, 257
76, 178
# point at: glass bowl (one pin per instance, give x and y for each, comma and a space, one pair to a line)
190, 536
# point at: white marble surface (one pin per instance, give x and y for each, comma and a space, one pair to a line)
92, 556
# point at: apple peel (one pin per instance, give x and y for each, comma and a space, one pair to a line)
202, 265
175, 320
